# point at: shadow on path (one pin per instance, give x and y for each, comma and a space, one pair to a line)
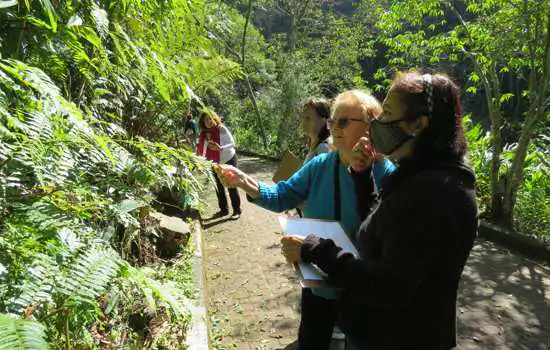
504, 300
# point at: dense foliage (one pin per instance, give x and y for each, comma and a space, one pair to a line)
91, 98
498, 51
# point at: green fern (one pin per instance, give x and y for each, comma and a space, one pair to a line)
38, 286
90, 274
30, 76
17, 334
157, 293
89, 100
101, 20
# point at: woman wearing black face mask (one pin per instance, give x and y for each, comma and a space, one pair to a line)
401, 292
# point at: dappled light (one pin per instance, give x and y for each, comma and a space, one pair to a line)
144, 143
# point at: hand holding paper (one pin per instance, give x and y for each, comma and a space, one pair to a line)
291, 248
295, 229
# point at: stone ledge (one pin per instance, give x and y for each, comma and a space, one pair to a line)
517, 242
197, 335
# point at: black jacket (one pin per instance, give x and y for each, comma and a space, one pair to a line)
401, 293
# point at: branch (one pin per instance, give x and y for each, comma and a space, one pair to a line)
543, 85
248, 11
528, 26
214, 76
303, 9
471, 56
283, 10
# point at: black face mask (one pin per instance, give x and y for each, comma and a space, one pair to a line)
387, 137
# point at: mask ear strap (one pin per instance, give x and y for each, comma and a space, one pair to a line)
427, 80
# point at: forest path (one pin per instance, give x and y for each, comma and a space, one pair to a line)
253, 296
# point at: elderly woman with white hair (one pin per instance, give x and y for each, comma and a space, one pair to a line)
325, 184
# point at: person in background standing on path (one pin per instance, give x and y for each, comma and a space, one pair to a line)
401, 292
217, 144
315, 114
190, 130
325, 183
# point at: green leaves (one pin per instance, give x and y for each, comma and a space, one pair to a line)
505, 97
7, 3
17, 334
66, 158
90, 274
49, 10
101, 20
129, 205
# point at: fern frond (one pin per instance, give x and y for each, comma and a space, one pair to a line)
5, 151
48, 8
156, 292
17, 334
43, 216
101, 20
30, 76
78, 53
37, 125
37, 286
91, 273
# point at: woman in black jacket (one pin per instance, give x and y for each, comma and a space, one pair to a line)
401, 292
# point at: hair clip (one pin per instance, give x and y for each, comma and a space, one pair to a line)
427, 80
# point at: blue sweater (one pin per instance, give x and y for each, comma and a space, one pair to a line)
314, 184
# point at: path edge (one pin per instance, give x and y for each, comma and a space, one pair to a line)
197, 335
519, 243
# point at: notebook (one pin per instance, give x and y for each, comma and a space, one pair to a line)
310, 274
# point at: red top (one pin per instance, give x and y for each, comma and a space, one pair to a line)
209, 135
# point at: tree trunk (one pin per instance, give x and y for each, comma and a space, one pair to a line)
538, 89
490, 82
497, 185
285, 115
248, 85
492, 96
291, 43
517, 94
260, 121
515, 174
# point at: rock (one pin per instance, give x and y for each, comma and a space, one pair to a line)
171, 224
176, 233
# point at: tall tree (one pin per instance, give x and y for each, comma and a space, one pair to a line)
486, 33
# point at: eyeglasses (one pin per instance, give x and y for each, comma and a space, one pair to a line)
342, 123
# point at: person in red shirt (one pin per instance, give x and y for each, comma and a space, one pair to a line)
217, 144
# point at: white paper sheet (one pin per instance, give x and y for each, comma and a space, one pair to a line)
324, 229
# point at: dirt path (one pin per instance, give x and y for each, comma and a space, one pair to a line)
253, 296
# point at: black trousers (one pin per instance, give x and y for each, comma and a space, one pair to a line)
233, 193
317, 322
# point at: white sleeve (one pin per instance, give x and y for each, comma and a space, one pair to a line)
226, 139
